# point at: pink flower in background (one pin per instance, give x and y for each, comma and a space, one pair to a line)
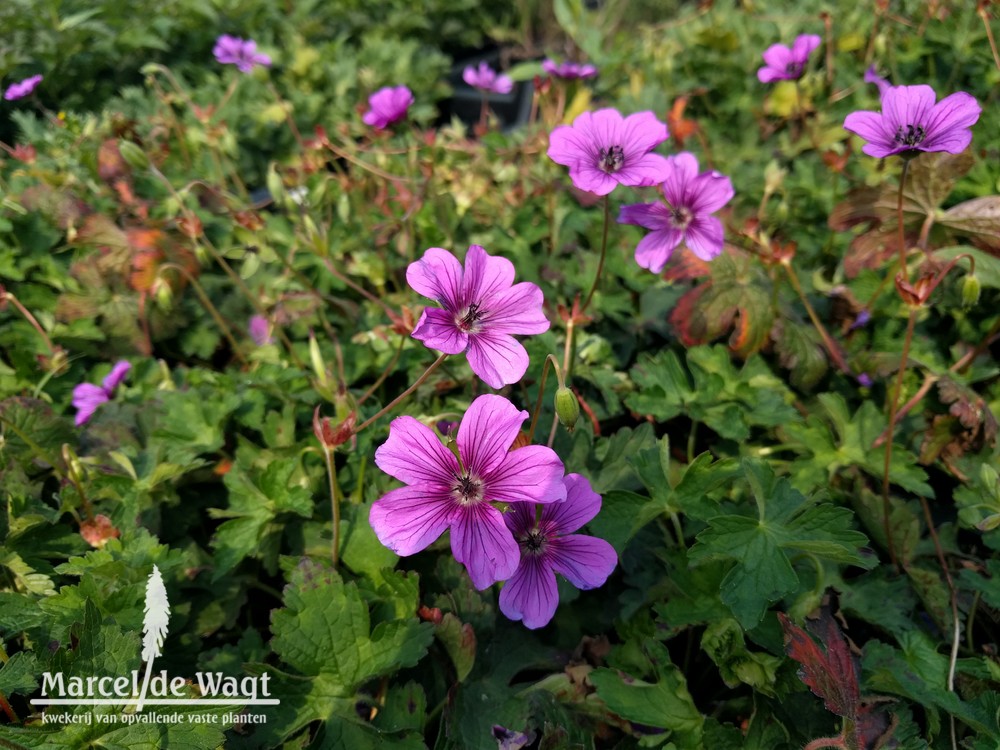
784, 64
87, 396
260, 330
21, 89
231, 50
872, 77
484, 78
911, 122
443, 494
481, 309
691, 199
549, 546
387, 105
568, 70
603, 150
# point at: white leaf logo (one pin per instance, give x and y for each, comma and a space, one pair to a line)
154, 626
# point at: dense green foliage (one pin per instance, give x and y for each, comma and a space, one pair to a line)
740, 457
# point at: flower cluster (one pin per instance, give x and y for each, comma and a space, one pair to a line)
387, 105
87, 396
485, 495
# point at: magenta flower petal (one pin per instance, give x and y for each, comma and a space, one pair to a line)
497, 358
114, 378
871, 76
483, 544
437, 330
488, 429
704, 237
86, 398
568, 70
519, 310
407, 520
581, 506
259, 330
532, 474
910, 122
437, 275
231, 50
655, 249
686, 217
485, 276
387, 105
481, 307
414, 455
484, 78
530, 595
602, 149
585, 561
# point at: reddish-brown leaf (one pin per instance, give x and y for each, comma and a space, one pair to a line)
680, 129
110, 164
830, 671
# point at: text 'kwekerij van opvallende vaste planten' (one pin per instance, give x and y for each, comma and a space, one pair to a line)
562, 375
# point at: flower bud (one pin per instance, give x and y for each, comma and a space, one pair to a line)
567, 407
134, 156
328, 435
970, 290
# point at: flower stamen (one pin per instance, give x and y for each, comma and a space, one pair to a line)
913, 135
470, 319
468, 491
611, 159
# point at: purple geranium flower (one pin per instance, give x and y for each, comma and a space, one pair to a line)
568, 70
911, 122
685, 217
602, 150
21, 89
486, 79
549, 546
784, 64
231, 50
444, 492
871, 76
260, 330
87, 396
387, 105
481, 308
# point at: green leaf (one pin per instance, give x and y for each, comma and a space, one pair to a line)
849, 443
665, 703
786, 522
19, 674
324, 632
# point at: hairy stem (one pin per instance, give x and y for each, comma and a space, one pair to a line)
402, 396
604, 251
899, 220
331, 473
828, 343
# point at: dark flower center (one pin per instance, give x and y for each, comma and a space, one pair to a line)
468, 491
534, 543
611, 159
470, 319
911, 135
793, 69
680, 217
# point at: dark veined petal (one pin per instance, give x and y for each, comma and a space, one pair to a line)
408, 519
437, 329
481, 541
530, 595
704, 237
497, 358
517, 310
586, 561
487, 431
579, 507
437, 275
655, 249
485, 276
531, 474
413, 454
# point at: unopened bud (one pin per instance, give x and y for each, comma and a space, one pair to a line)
970, 290
328, 435
134, 156
567, 407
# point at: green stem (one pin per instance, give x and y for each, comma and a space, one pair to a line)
891, 430
216, 316
828, 343
402, 396
549, 360
899, 219
604, 251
